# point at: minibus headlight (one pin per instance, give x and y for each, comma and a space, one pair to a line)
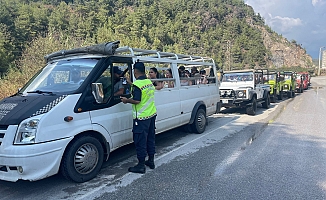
27, 131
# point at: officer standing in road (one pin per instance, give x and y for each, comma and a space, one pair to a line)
144, 115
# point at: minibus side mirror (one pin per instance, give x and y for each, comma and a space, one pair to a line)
97, 91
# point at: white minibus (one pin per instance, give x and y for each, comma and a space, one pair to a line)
67, 119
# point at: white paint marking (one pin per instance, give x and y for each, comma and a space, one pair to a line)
227, 162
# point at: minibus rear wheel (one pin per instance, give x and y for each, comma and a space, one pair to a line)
199, 124
83, 159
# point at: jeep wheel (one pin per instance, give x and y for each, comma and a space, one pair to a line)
251, 110
280, 96
200, 121
266, 102
82, 160
273, 97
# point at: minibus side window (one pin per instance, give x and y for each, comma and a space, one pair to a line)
169, 77
157, 73
106, 80
114, 82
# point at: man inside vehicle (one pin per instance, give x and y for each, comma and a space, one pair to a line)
76, 76
118, 85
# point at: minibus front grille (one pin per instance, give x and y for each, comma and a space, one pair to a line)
3, 168
3, 130
3, 127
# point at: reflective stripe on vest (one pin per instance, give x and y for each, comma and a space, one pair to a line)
146, 108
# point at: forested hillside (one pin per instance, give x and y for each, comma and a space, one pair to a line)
227, 30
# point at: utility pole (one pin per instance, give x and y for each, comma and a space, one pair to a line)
228, 54
318, 73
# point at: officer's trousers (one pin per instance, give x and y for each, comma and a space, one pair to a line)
144, 137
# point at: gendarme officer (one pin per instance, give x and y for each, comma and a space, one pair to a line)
144, 115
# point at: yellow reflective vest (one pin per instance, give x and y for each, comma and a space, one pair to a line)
146, 108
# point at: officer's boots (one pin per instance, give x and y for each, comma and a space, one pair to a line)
139, 168
150, 162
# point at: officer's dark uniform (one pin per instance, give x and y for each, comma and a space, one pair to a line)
143, 130
143, 127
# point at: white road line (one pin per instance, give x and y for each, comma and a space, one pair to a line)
219, 170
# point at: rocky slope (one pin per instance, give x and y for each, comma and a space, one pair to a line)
284, 52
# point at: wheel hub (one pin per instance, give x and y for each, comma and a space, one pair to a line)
201, 121
86, 158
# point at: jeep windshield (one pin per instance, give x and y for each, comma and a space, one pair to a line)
287, 77
60, 76
298, 77
236, 77
270, 77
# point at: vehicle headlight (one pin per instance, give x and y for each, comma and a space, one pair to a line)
241, 93
27, 131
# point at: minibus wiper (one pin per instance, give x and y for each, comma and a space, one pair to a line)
40, 92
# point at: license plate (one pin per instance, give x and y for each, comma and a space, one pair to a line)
225, 101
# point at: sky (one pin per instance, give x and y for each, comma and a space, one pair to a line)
301, 20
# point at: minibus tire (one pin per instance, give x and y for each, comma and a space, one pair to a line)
199, 124
82, 159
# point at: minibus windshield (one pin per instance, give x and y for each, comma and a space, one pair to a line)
60, 76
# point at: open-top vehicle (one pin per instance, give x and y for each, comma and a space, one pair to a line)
305, 79
289, 83
299, 83
272, 78
244, 88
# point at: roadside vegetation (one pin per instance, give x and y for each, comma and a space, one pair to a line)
224, 30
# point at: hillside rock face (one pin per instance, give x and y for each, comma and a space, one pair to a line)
285, 53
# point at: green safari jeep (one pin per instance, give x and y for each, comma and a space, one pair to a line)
276, 83
289, 83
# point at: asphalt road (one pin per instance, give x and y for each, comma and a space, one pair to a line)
277, 154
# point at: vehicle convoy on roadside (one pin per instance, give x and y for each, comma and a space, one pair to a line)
58, 122
273, 79
244, 89
289, 83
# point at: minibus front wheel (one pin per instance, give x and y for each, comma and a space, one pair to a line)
82, 159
